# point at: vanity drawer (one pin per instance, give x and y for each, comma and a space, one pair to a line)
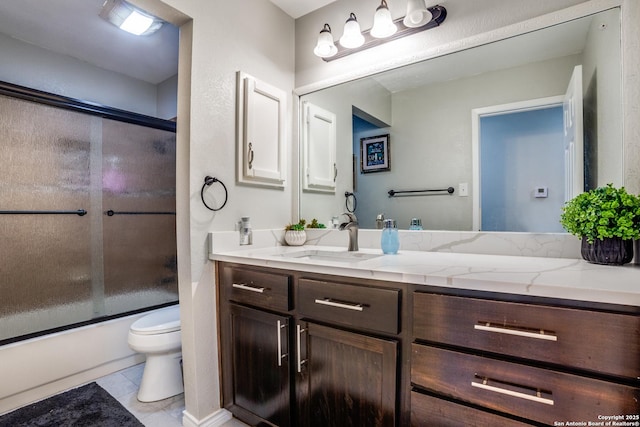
429, 411
350, 305
533, 393
582, 339
257, 288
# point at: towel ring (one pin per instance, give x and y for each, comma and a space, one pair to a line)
347, 194
207, 182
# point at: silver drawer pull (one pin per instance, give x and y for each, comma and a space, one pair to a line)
248, 288
281, 356
517, 394
541, 335
329, 302
299, 331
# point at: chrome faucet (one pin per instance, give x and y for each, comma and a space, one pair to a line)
352, 227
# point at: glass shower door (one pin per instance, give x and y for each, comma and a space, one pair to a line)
64, 259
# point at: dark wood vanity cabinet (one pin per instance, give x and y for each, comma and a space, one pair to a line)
255, 343
260, 368
349, 377
521, 362
302, 350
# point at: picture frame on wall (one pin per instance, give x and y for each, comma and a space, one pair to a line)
374, 154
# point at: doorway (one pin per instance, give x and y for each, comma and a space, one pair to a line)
523, 188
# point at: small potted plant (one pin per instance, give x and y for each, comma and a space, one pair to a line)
315, 224
607, 219
294, 234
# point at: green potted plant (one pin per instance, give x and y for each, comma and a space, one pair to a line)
294, 234
315, 224
607, 219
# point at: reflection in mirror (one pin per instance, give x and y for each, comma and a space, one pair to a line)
506, 177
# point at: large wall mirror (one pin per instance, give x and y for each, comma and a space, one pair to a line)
493, 122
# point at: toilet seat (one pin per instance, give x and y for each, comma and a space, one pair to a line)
162, 321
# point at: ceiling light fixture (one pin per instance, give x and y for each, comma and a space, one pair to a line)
418, 18
129, 18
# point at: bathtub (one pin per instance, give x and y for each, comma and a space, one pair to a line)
40, 367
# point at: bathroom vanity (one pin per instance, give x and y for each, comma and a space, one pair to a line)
319, 336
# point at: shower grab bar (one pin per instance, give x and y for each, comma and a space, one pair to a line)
393, 193
112, 213
79, 212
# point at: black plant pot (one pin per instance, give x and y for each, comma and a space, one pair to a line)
609, 251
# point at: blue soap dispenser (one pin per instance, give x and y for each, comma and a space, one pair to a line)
390, 241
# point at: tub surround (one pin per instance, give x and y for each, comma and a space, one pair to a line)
448, 266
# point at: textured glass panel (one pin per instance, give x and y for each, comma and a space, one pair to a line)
139, 239
45, 259
61, 269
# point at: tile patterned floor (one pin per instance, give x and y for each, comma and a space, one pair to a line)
123, 385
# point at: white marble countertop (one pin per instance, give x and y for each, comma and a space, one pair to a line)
564, 278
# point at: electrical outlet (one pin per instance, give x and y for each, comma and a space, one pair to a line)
463, 189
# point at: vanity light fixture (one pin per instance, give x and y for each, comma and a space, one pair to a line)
383, 25
418, 18
417, 14
325, 47
352, 36
129, 18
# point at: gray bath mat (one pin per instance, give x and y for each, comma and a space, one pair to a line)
86, 406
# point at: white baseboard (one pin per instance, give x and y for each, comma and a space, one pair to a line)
216, 419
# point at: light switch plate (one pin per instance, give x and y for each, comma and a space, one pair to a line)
463, 189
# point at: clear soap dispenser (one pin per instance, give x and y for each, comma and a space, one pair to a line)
246, 234
390, 241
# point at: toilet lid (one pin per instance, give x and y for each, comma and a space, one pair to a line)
162, 321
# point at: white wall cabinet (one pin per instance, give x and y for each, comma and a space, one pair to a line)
261, 144
319, 149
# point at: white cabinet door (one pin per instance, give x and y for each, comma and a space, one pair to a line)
261, 133
319, 149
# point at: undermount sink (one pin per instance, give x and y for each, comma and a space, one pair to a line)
333, 256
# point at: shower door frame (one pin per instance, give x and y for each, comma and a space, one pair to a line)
98, 110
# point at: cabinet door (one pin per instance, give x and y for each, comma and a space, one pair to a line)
261, 132
261, 374
345, 379
319, 149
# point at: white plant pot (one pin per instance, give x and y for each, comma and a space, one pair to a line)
295, 237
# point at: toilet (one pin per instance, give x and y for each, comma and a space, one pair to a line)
158, 336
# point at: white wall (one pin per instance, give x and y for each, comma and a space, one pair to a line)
34, 67
217, 40
602, 68
168, 98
